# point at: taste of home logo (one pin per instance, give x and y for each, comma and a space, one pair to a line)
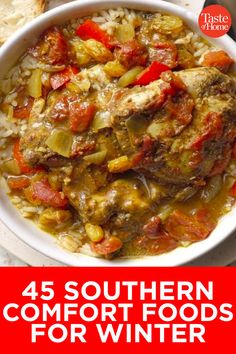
215, 21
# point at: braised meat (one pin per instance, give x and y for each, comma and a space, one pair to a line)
188, 132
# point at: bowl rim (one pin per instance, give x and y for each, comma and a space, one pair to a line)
17, 224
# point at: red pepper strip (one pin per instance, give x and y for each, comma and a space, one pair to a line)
81, 115
42, 192
152, 73
233, 190
91, 30
61, 78
18, 182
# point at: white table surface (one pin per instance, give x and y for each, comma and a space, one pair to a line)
14, 252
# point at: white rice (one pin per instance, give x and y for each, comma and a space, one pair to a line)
86, 250
69, 242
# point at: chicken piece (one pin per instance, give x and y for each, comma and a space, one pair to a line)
123, 195
169, 139
33, 146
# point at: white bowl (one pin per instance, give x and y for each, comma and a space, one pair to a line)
27, 231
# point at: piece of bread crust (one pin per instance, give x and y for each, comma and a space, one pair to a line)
15, 13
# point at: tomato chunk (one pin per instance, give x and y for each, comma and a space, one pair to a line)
23, 112
41, 191
81, 115
152, 73
152, 227
61, 78
162, 243
183, 227
213, 129
18, 156
164, 53
107, 246
91, 30
143, 155
220, 60
60, 110
18, 182
131, 53
51, 48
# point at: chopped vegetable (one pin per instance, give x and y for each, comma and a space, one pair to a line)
212, 188
164, 53
220, 60
81, 115
97, 158
98, 51
152, 228
131, 53
18, 182
119, 165
185, 59
11, 167
233, 190
144, 151
129, 77
167, 24
81, 55
152, 73
162, 243
23, 112
185, 194
34, 86
61, 78
10, 112
51, 48
60, 141
100, 121
59, 107
79, 83
114, 68
107, 246
136, 127
42, 192
90, 30
46, 80
19, 158
94, 232
37, 109
184, 227
54, 180
125, 32
165, 211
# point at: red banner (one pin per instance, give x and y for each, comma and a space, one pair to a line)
122, 310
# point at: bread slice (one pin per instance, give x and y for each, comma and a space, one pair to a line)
15, 13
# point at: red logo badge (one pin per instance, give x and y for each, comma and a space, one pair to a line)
214, 21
